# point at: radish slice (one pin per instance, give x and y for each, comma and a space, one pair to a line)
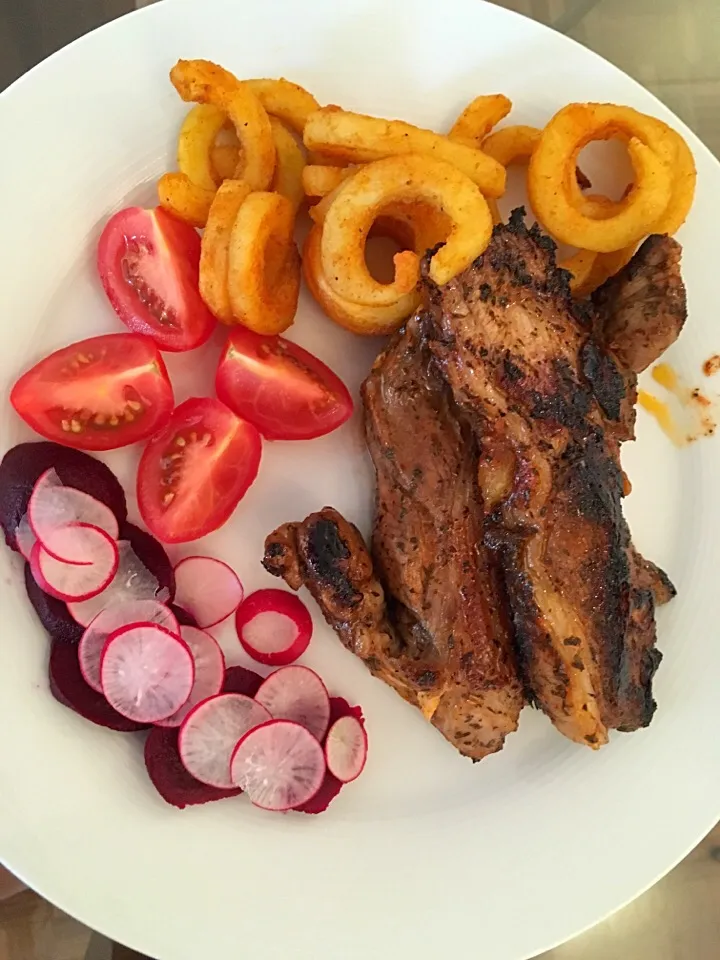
280, 765
208, 589
92, 643
133, 581
169, 776
25, 539
209, 672
53, 506
274, 627
72, 581
211, 732
346, 749
147, 672
298, 694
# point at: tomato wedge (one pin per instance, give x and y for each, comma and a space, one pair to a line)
285, 391
194, 472
97, 394
149, 265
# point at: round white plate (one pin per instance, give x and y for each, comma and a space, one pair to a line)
426, 855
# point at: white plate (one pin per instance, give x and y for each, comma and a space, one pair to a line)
426, 855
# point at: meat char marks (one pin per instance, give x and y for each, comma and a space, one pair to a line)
436, 630
501, 565
549, 406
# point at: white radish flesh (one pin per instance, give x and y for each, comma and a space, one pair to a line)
210, 733
146, 672
53, 506
273, 626
298, 694
209, 672
208, 589
346, 749
73, 581
92, 643
280, 765
25, 539
133, 581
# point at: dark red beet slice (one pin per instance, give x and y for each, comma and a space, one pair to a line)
52, 613
23, 465
169, 776
68, 686
331, 786
152, 553
184, 618
240, 680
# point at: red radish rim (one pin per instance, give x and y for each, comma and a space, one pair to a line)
284, 604
89, 661
38, 554
272, 723
348, 718
117, 634
111, 527
272, 678
187, 604
177, 718
185, 725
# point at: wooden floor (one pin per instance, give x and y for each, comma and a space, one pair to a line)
673, 48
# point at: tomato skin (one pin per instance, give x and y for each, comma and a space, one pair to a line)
149, 265
195, 471
73, 395
287, 392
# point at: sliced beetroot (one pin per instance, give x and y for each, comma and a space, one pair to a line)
182, 616
274, 627
297, 693
54, 509
24, 538
77, 581
133, 581
152, 553
169, 776
280, 765
211, 732
346, 748
92, 643
209, 672
331, 786
69, 688
241, 680
208, 588
52, 613
146, 672
22, 466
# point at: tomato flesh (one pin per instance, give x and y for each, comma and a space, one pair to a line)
283, 389
149, 265
98, 394
194, 472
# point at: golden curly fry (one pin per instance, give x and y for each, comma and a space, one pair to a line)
512, 144
478, 118
367, 321
580, 265
356, 138
197, 135
184, 199
290, 164
201, 81
362, 198
215, 246
551, 188
414, 225
683, 187
225, 158
606, 265
264, 264
285, 100
321, 179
